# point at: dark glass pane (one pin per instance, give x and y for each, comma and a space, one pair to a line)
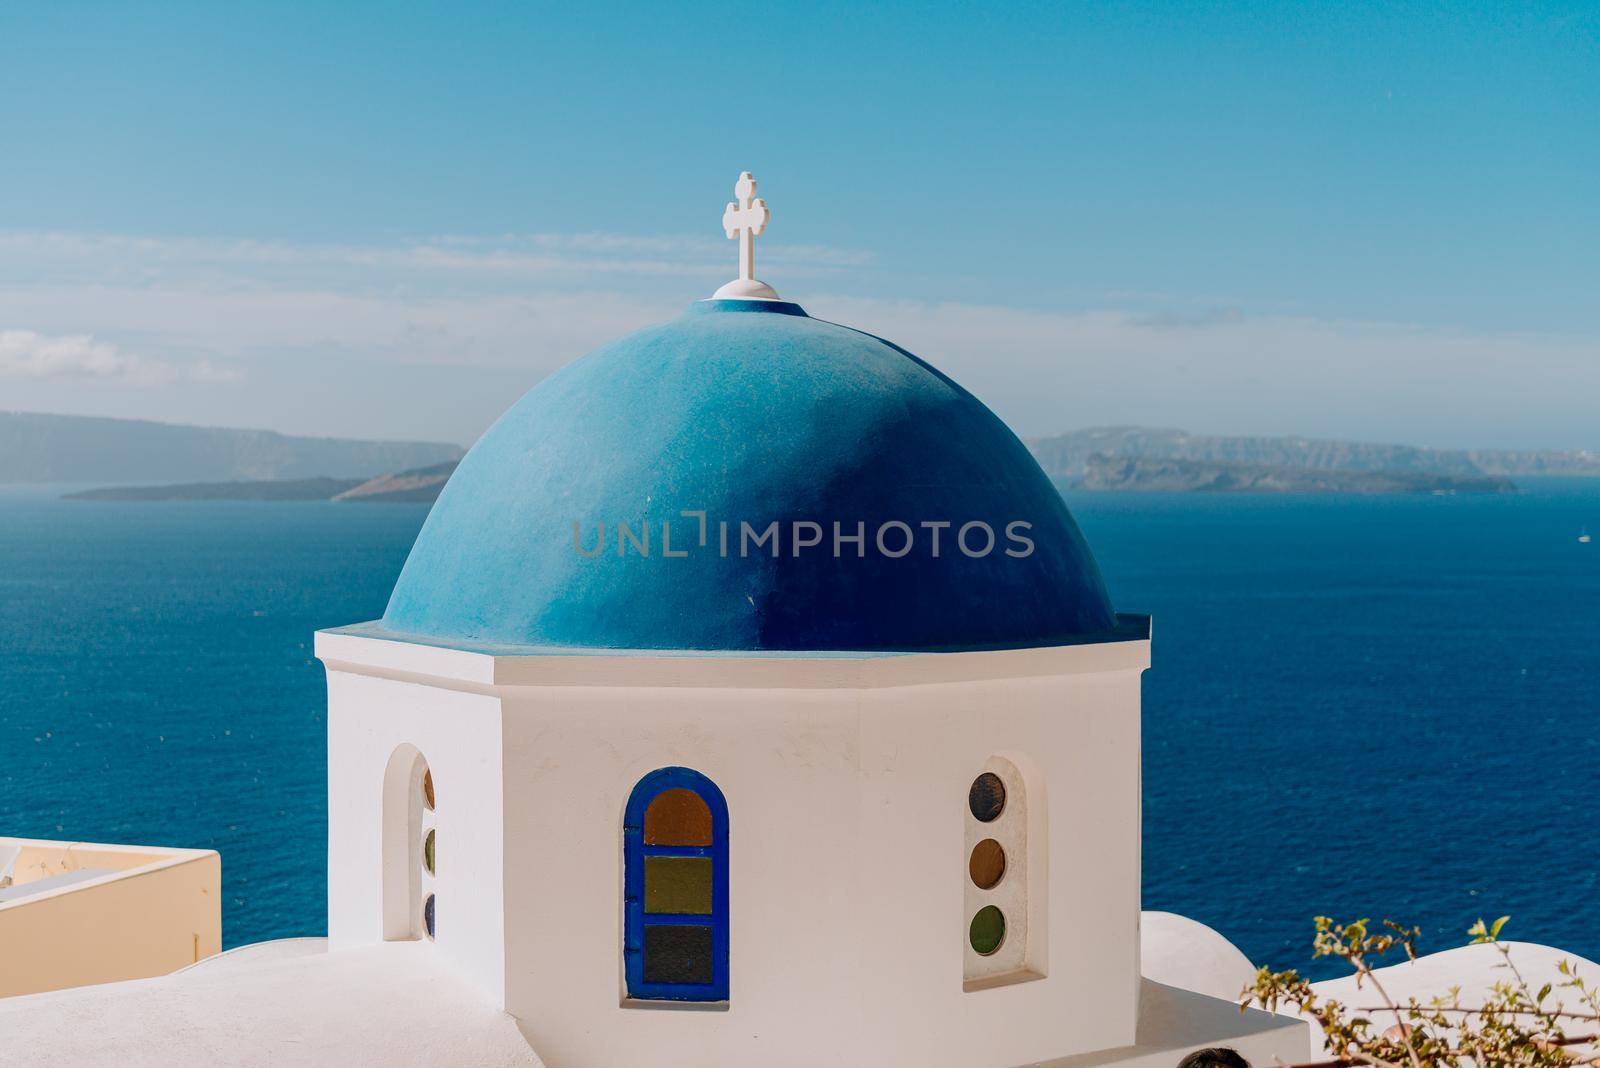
678, 884
678, 817
987, 797
677, 954
988, 930
427, 853
427, 788
427, 915
987, 863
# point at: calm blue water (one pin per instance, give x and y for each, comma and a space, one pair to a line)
1359, 706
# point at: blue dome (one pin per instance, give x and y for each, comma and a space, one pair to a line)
755, 414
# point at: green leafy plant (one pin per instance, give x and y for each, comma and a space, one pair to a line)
1513, 1025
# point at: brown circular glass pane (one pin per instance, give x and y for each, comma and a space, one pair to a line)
986, 865
988, 930
427, 853
427, 788
987, 798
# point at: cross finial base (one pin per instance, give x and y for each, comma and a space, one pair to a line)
746, 289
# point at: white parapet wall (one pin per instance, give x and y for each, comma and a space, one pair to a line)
77, 913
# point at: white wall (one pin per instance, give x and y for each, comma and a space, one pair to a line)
846, 782
922, 747
458, 733
786, 763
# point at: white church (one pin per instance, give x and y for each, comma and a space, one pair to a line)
749, 698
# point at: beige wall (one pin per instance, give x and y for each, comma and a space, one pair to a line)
160, 910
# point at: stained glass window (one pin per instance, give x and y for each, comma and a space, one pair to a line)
675, 845
678, 817
988, 930
1003, 900
678, 954
987, 797
987, 864
681, 885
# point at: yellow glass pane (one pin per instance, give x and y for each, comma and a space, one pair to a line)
678, 817
678, 884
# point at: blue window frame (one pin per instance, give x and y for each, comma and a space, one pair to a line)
675, 888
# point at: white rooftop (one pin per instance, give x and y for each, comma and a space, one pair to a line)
274, 1004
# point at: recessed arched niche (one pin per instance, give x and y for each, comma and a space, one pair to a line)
1005, 873
409, 846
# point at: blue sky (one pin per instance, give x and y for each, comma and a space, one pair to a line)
1377, 221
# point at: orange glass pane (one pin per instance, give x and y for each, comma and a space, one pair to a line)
678, 817
427, 788
987, 864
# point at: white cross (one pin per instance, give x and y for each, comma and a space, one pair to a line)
744, 219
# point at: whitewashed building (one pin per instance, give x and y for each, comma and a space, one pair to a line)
749, 698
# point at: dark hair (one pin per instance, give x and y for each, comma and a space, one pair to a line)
1215, 1057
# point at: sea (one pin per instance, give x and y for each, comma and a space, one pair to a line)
1359, 706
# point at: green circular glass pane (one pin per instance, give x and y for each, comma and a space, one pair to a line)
987, 797
988, 930
427, 853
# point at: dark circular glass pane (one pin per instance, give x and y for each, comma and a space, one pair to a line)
427, 915
427, 788
427, 853
986, 865
987, 797
987, 932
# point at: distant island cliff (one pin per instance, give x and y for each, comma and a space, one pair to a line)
1126, 458
286, 489
1098, 458
1214, 476
36, 447
418, 484
1066, 456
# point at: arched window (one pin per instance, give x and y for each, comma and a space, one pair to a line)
675, 888
1005, 881
409, 842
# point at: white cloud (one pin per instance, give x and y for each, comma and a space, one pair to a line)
477, 317
1234, 373
25, 354
28, 354
125, 257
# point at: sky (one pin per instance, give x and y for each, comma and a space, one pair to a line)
1374, 221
